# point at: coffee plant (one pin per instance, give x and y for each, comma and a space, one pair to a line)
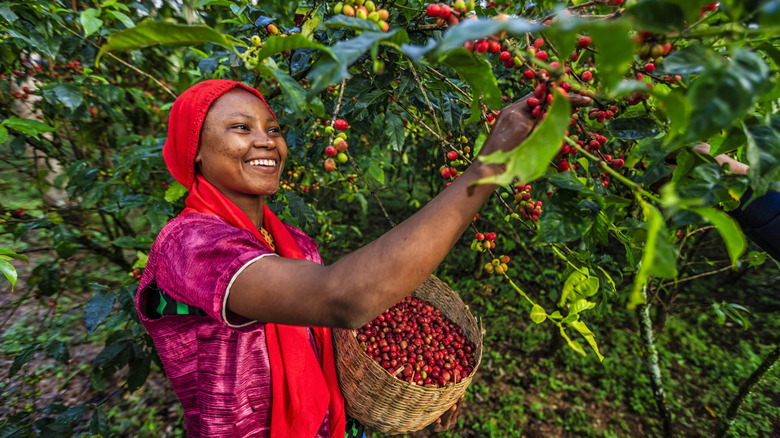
383, 104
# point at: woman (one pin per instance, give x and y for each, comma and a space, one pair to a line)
239, 305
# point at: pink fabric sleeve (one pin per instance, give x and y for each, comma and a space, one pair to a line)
199, 257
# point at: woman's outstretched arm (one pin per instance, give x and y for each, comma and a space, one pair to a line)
364, 283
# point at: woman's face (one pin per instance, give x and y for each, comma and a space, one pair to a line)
241, 149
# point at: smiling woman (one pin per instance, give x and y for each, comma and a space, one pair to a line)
240, 305
242, 150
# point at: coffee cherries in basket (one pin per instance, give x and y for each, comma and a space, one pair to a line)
416, 343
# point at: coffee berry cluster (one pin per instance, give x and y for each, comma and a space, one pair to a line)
418, 344
483, 242
497, 265
365, 9
337, 151
524, 203
450, 14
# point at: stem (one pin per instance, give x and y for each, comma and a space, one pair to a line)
604, 166
746, 388
430, 106
517, 288
653, 370
352, 160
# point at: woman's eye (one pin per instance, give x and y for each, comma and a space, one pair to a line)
242, 126
275, 129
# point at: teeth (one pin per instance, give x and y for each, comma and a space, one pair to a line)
269, 163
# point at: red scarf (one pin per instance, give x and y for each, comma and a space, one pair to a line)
302, 390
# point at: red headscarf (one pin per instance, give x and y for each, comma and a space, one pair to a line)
301, 390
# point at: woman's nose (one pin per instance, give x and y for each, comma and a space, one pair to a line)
263, 140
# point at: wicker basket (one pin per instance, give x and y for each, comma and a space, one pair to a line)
389, 405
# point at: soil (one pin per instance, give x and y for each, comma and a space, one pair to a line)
42, 382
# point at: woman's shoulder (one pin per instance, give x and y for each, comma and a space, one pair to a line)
197, 223
199, 230
309, 247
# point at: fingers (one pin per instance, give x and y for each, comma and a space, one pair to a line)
578, 100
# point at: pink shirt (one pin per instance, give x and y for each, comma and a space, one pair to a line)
217, 364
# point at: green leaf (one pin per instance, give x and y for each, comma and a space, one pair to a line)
64, 241
310, 25
8, 14
394, 131
113, 357
69, 95
296, 95
139, 370
300, 209
142, 259
7, 253
22, 358
578, 286
451, 113
538, 315
9, 271
689, 60
469, 30
341, 21
658, 255
616, 51
724, 93
573, 345
74, 413
566, 217
588, 335
58, 350
376, 173
46, 276
89, 19
657, 16
327, 71
677, 110
763, 155
98, 424
151, 33
728, 229
634, 128
530, 159
144, 241
477, 72
27, 126
13, 429
278, 44
581, 305
174, 192
98, 308
126, 21
3, 134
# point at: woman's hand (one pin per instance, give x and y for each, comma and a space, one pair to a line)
514, 124
448, 419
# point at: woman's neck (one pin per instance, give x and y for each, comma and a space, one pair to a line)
253, 208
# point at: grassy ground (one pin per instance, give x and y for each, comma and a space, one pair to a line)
530, 384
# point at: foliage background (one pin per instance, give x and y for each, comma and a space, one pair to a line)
85, 90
